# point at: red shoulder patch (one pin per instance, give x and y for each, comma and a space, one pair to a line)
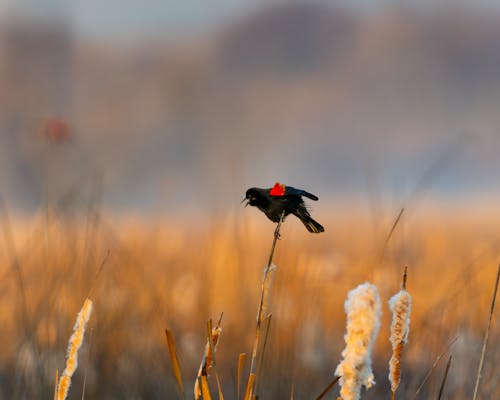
277, 190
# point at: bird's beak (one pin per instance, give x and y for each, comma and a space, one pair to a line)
246, 204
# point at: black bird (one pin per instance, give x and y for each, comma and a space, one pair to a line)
280, 198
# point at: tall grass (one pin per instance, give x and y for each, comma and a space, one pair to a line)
178, 277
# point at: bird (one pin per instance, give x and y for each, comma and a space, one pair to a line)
280, 201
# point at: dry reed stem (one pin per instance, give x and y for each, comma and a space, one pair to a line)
266, 284
328, 388
205, 392
261, 311
210, 337
241, 362
389, 234
172, 349
429, 372
55, 384
98, 273
441, 389
248, 392
207, 362
486, 335
75, 342
267, 323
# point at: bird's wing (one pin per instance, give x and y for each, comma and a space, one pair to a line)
300, 192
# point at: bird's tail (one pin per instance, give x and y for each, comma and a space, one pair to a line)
311, 225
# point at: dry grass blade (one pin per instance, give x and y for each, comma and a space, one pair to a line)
205, 392
172, 349
210, 337
248, 392
394, 225
84, 386
208, 361
55, 385
429, 372
219, 388
444, 378
389, 235
98, 274
241, 363
210, 343
486, 335
328, 388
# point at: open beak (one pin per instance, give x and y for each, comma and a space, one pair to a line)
246, 204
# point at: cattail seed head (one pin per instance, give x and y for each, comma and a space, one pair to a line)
400, 305
74, 344
363, 311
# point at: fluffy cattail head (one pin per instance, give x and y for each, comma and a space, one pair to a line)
400, 305
363, 311
75, 342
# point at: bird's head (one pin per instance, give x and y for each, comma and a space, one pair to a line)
252, 197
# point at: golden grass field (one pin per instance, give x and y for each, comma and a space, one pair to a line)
177, 275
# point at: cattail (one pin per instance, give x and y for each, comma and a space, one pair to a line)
363, 311
74, 344
207, 361
400, 305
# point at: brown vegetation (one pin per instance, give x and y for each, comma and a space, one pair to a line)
178, 278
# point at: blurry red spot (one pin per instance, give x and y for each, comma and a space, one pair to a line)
55, 131
277, 190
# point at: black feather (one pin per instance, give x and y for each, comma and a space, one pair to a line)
300, 192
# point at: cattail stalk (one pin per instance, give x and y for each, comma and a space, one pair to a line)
363, 311
262, 309
400, 305
74, 344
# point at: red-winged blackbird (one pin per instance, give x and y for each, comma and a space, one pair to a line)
280, 198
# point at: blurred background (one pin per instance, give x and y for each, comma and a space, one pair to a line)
181, 106
134, 128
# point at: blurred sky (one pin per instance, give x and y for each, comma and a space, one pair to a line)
184, 104
125, 18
